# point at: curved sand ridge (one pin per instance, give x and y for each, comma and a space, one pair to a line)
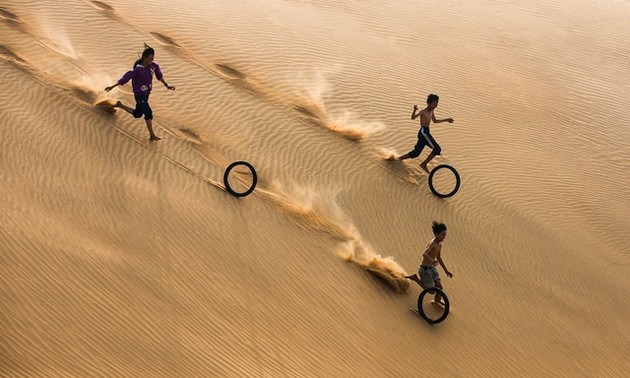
309, 109
120, 260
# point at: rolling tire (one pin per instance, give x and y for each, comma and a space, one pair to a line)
447, 305
458, 181
226, 180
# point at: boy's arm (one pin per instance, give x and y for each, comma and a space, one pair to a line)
439, 259
413, 113
107, 89
435, 120
123, 80
160, 76
171, 87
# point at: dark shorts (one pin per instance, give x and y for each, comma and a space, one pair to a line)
142, 107
425, 139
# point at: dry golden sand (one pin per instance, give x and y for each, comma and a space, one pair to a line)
125, 258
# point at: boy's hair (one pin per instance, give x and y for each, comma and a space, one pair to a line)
148, 51
438, 227
432, 97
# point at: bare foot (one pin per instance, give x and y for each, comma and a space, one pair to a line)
424, 168
155, 138
414, 278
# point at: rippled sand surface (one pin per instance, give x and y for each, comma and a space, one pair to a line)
121, 257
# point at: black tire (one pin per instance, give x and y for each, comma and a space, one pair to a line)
458, 181
447, 305
226, 175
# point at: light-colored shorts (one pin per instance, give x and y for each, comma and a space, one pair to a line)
428, 275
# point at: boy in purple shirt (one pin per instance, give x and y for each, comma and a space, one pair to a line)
141, 80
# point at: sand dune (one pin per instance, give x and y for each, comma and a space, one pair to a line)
123, 257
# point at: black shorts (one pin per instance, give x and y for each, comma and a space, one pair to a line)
142, 107
425, 139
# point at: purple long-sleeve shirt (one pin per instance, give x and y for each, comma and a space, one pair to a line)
141, 78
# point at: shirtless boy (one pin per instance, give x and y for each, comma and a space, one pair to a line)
428, 275
424, 135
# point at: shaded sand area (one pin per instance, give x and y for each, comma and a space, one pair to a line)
120, 257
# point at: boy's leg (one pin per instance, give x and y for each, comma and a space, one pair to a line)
435, 149
151, 133
414, 277
426, 161
126, 108
438, 296
417, 149
145, 108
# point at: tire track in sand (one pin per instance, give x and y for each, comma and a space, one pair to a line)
85, 98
